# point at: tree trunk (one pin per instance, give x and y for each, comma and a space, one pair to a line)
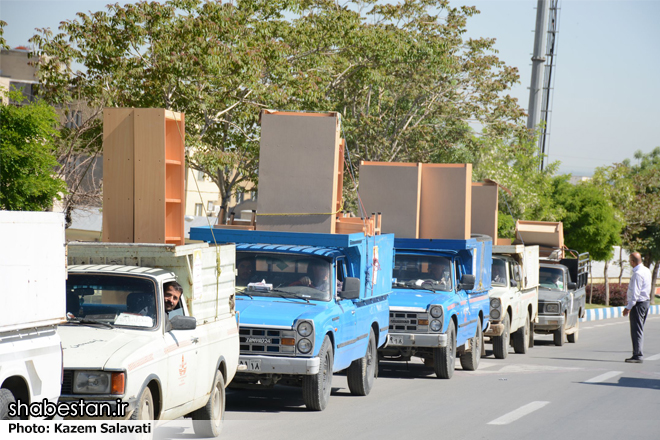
654, 280
591, 284
621, 265
607, 284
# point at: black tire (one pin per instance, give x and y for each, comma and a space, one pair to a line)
362, 372
531, 334
521, 338
559, 335
317, 388
207, 421
444, 358
573, 337
145, 406
6, 397
501, 343
470, 360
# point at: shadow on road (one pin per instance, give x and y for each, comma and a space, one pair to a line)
632, 382
618, 361
279, 399
405, 370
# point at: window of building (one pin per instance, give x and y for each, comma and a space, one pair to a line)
253, 195
198, 209
239, 197
73, 119
210, 206
200, 175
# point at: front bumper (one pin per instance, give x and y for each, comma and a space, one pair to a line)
416, 340
96, 402
278, 365
495, 329
549, 322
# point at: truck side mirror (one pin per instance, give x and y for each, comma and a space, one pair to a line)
467, 282
180, 322
514, 283
351, 288
572, 286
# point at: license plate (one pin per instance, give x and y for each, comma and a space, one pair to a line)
251, 364
396, 340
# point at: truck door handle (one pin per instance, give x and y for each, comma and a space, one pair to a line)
194, 340
352, 312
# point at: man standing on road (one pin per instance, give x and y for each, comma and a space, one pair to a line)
639, 296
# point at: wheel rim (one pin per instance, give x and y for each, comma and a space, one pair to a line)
370, 360
452, 351
526, 340
216, 410
326, 376
147, 411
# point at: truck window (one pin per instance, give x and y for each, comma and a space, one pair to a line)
498, 274
422, 272
274, 274
551, 278
113, 299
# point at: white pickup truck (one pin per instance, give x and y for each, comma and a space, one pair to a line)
33, 273
122, 348
513, 298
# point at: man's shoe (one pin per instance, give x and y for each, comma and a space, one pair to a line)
634, 360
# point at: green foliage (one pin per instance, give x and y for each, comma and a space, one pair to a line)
515, 164
590, 224
406, 82
27, 161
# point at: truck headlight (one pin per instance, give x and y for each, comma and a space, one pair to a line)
305, 329
495, 314
495, 303
552, 308
436, 311
98, 382
436, 325
304, 346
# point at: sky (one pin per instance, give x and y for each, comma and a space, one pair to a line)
606, 97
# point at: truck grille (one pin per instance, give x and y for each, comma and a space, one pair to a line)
265, 341
67, 382
409, 322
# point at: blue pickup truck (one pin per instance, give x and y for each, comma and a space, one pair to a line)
439, 306
309, 305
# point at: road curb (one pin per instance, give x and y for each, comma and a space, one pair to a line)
612, 312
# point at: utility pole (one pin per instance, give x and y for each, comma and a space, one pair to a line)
538, 65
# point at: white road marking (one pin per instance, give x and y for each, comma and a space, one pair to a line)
603, 377
655, 357
518, 413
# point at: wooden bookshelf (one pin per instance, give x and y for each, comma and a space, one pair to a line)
154, 141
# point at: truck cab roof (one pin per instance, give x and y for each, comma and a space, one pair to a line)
121, 270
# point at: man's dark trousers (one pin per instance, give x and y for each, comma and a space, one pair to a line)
637, 319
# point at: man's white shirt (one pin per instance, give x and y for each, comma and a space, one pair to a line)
639, 289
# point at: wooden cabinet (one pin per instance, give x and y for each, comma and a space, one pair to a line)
143, 175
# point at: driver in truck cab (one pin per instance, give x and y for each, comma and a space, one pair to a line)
172, 293
440, 272
318, 276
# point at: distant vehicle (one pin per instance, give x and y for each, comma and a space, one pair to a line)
513, 298
120, 343
439, 307
32, 269
562, 297
312, 305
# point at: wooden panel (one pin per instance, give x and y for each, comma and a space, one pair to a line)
393, 189
118, 174
446, 201
484, 209
150, 176
174, 176
548, 235
298, 164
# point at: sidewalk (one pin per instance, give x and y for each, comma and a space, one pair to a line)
613, 312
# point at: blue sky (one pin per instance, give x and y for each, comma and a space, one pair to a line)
606, 102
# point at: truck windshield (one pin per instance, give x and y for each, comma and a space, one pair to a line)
111, 299
284, 275
498, 275
551, 278
422, 272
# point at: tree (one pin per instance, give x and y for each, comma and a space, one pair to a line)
635, 189
27, 161
407, 84
590, 223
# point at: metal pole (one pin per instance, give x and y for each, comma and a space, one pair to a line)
538, 64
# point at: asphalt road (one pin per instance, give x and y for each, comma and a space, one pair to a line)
578, 391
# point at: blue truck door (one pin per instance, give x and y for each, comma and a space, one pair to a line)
345, 323
463, 310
